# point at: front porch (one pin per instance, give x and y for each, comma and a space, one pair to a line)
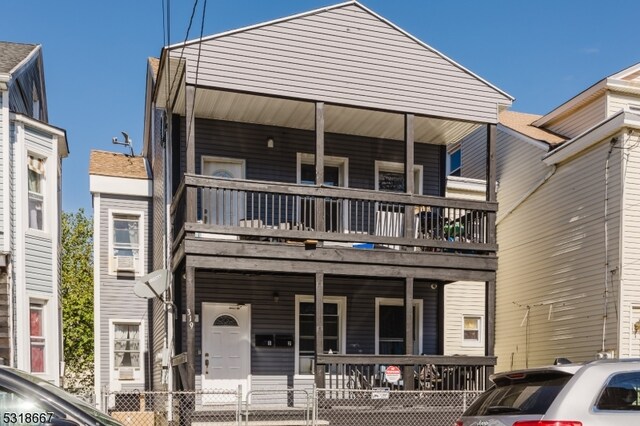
285, 340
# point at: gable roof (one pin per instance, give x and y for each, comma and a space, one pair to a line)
12, 54
341, 55
626, 80
523, 124
106, 163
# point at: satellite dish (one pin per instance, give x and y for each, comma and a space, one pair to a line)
152, 285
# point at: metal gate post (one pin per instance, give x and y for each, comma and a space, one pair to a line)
314, 406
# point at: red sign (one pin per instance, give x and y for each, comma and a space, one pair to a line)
392, 373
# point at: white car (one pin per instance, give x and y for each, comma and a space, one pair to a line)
598, 393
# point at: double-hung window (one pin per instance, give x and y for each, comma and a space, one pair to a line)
454, 162
35, 182
37, 338
125, 243
472, 331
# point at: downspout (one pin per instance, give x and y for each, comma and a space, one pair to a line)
606, 242
524, 198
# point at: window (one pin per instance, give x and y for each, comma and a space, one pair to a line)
37, 340
620, 393
390, 326
126, 346
336, 172
471, 329
334, 327
35, 179
454, 162
390, 177
125, 243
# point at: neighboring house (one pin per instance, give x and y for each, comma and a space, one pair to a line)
568, 283
121, 189
300, 175
31, 153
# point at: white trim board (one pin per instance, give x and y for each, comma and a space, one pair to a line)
120, 186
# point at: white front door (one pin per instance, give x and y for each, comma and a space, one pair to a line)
226, 346
223, 207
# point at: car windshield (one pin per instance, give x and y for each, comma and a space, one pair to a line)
79, 404
529, 393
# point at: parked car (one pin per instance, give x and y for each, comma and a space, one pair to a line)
598, 393
29, 400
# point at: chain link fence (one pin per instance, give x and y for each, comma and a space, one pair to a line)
288, 407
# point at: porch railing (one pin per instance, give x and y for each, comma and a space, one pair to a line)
424, 372
351, 217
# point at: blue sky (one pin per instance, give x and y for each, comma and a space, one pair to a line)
541, 52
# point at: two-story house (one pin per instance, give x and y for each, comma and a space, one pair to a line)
31, 153
300, 176
120, 186
567, 281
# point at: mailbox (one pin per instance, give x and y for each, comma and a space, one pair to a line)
265, 340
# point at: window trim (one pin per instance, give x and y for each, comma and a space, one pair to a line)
141, 240
138, 372
395, 167
341, 162
342, 318
418, 305
473, 342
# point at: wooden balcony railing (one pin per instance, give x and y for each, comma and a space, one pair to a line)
424, 372
345, 216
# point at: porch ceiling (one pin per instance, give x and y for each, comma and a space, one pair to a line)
251, 108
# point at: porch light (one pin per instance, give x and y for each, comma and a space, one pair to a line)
270, 142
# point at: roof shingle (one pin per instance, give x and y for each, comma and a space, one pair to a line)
105, 163
522, 123
11, 54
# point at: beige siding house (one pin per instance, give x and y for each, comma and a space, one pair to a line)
567, 281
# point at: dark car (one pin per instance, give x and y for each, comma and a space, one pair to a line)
29, 400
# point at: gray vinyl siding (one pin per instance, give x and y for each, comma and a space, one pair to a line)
38, 257
248, 142
630, 275
551, 259
268, 317
158, 234
618, 101
344, 56
473, 155
582, 119
117, 300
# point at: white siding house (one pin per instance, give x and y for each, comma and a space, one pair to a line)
31, 153
568, 228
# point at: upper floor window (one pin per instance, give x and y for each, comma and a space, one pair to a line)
454, 162
390, 177
35, 178
126, 243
